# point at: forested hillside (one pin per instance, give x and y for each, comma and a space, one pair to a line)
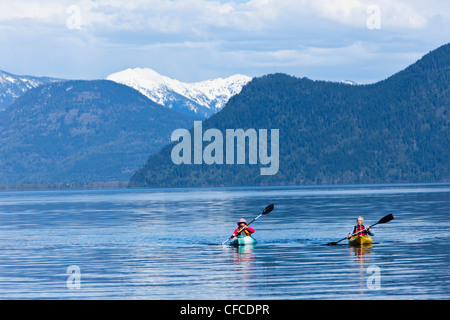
395, 130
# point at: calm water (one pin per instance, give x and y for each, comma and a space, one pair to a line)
165, 244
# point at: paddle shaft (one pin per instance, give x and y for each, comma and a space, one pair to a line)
266, 210
242, 229
382, 220
356, 233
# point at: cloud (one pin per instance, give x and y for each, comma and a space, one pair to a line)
393, 13
16, 10
193, 39
202, 16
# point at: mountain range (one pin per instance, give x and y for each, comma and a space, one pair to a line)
12, 86
82, 131
393, 131
64, 131
78, 131
199, 98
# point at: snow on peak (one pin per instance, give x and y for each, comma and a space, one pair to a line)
350, 82
12, 86
203, 98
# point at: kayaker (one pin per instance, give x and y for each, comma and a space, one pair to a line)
360, 227
242, 224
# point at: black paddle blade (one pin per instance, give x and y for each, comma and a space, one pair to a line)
387, 218
268, 209
335, 243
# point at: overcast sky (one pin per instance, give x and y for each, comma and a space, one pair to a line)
194, 40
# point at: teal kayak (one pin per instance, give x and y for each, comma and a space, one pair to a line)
242, 241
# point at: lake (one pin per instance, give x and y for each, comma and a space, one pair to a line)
165, 243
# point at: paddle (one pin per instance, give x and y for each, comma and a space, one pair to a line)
385, 219
266, 210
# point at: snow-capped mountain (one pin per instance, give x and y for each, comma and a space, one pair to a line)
350, 82
199, 98
12, 86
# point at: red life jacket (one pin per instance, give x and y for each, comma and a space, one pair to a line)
360, 228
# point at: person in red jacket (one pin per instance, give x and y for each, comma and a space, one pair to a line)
246, 230
360, 227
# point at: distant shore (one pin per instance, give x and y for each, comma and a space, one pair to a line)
65, 185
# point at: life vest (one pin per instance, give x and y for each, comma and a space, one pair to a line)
357, 229
244, 233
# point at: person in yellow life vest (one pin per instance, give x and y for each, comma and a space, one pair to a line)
246, 230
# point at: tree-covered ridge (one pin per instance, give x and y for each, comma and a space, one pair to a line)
81, 131
395, 130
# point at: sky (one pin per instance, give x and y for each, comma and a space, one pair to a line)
195, 40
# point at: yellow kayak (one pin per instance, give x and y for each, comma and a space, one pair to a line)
360, 240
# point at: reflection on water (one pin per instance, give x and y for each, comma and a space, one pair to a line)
165, 244
361, 253
361, 259
245, 250
244, 262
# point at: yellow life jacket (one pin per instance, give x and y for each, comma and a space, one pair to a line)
244, 233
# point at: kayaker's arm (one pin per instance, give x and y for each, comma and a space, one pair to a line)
250, 229
266, 210
238, 230
354, 233
385, 219
235, 233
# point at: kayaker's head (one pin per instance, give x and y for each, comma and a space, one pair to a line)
241, 223
360, 221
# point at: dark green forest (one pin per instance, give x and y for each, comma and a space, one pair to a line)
393, 131
81, 132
